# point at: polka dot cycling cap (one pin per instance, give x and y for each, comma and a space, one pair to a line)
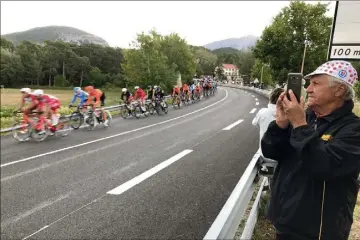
339, 69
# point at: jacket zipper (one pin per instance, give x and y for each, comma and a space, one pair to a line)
322, 210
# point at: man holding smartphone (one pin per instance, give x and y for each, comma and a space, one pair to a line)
318, 152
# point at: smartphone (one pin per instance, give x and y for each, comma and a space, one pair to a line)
294, 82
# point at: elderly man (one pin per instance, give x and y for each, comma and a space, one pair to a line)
318, 153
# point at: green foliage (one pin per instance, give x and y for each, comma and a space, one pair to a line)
266, 73
205, 60
7, 111
282, 43
357, 89
34, 64
96, 78
157, 59
60, 81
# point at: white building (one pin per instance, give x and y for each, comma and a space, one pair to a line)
231, 71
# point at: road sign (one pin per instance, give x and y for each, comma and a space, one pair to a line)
345, 32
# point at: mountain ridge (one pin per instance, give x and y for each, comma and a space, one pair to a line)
236, 43
54, 33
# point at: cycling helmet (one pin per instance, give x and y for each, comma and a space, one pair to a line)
136, 87
155, 87
38, 92
124, 90
149, 87
25, 90
89, 88
76, 89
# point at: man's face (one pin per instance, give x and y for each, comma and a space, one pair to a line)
319, 91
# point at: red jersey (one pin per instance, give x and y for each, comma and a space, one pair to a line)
139, 94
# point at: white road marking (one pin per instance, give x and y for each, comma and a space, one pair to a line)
138, 179
33, 210
257, 103
256, 99
233, 125
253, 95
113, 136
253, 110
43, 228
228, 209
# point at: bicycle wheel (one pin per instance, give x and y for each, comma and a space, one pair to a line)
107, 123
76, 120
158, 108
91, 121
21, 131
150, 108
137, 111
37, 135
164, 107
124, 112
64, 126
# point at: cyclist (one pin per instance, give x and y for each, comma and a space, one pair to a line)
159, 93
210, 87
192, 89
186, 91
150, 92
127, 97
78, 93
96, 96
139, 93
50, 103
197, 90
175, 94
27, 96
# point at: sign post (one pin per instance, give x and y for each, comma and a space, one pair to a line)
345, 33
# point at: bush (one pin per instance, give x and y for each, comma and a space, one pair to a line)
7, 111
357, 89
60, 81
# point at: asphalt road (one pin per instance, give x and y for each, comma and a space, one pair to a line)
158, 177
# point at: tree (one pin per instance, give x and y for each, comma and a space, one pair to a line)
11, 68
220, 72
246, 62
179, 54
282, 43
148, 64
205, 60
266, 73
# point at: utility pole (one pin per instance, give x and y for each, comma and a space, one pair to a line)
303, 60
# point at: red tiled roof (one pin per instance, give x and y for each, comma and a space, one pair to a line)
229, 66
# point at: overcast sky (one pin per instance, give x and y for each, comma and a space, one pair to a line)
199, 22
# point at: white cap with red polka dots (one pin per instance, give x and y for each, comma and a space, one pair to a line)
339, 69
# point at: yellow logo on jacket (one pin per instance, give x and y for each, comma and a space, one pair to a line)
326, 137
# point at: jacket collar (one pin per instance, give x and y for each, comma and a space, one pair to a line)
345, 109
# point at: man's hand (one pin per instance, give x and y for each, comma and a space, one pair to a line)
294, 111
281, 119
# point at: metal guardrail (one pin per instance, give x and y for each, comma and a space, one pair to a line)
109, 108
228, 220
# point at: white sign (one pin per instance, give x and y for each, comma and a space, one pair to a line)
345, 34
